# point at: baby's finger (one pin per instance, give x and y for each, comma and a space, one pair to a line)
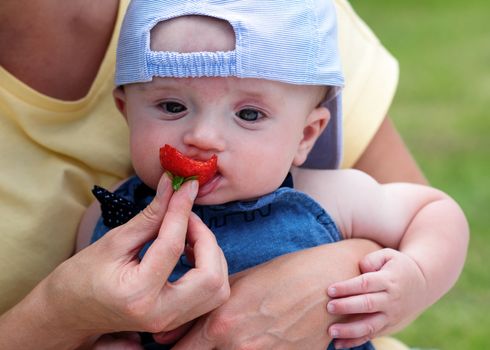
350, 343
366, 283
172, 336
358, 304
117, 342
359, 331
376, 260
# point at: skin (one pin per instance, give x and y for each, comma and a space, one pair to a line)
273, 126
204, 116
412, 272
123, 292
211, 122
75, 56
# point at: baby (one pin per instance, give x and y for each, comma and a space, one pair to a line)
258, 84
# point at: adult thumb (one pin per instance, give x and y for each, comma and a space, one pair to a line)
146, 224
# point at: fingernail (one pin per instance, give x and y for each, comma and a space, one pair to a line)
332, 291
163, 184
334, 333
192, 189
330, 307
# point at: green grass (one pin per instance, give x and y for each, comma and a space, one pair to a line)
442, 109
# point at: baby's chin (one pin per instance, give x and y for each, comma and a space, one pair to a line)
217, 198
150, 179
213, 199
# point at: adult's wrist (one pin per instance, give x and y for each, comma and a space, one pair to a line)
42, 320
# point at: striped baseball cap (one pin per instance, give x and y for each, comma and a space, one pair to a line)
291, 41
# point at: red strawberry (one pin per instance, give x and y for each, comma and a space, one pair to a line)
183, 168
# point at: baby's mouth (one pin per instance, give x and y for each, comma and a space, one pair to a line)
209, 186
183, 168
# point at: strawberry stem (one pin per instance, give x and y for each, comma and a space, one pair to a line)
178, 181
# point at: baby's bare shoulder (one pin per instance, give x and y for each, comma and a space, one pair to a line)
330, 182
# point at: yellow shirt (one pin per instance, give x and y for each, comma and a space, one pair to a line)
371, 78
53, 152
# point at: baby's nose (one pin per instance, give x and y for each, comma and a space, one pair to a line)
205, 135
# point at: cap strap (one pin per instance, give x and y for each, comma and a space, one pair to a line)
192, 64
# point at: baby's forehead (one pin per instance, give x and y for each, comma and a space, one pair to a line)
192, 34
237, 87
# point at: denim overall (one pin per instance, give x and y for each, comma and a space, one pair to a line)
253, 232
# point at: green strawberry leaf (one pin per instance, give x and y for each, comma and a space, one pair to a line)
177, 181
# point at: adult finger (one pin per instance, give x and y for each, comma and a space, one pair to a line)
196, 339
163, 254
206, 251
144, 226
210, 270
204, 287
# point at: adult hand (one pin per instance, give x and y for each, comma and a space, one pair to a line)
280, 304
387, 296
105, 288
115, 341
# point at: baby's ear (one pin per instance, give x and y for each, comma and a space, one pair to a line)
120, 100
315, 123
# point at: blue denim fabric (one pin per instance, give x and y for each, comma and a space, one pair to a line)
251, 233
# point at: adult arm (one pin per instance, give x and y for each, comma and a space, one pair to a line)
280, 304
105, 288
387, 158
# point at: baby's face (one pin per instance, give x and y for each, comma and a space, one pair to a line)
255, 127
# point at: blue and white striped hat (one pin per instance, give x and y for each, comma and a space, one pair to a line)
291, 41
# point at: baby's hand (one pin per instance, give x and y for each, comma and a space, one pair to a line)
388, 294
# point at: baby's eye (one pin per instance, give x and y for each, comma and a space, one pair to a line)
173, 107
249, 115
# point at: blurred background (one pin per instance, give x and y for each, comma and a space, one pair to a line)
442, 109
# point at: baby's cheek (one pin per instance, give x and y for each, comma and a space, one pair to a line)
147, 167
264, 175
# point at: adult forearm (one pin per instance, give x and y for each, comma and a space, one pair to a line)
34, 323
387, 158
282, 303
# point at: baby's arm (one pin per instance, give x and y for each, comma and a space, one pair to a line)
425, 234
